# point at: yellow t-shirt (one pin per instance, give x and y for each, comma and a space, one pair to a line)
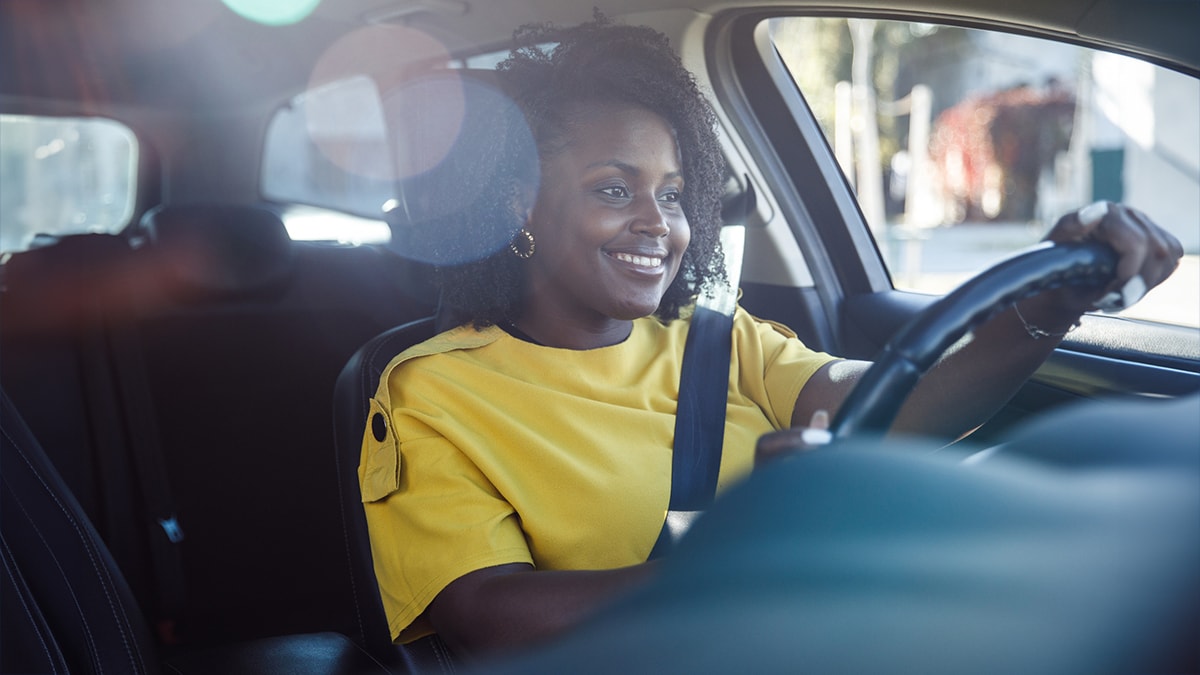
501, 451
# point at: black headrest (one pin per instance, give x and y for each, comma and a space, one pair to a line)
462, 147
221, 250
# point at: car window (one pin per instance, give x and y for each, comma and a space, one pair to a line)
328, 151
963, 145
330, 161
64, 175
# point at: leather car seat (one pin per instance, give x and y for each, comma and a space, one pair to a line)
68, 608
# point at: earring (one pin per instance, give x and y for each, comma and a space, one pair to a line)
525, 251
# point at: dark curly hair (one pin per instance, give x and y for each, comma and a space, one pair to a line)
601, 61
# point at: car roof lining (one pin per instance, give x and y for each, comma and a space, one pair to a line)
125, 51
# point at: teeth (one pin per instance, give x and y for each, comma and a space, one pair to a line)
639, 260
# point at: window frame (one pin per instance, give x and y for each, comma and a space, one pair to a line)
852, 283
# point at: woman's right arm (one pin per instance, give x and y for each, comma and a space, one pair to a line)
510, 606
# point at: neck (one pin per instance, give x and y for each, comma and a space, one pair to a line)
563, 334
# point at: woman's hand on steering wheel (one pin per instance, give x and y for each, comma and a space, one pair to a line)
1146, 254
779, 444
1104, 256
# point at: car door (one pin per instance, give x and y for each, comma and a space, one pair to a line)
903, 157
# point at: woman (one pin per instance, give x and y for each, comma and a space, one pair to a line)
526, 469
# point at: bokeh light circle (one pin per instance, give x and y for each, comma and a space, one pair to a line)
273, 12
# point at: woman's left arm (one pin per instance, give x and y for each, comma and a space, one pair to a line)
971, 382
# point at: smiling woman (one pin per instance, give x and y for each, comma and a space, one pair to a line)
172, 344
525, 466
577, 315
610, 229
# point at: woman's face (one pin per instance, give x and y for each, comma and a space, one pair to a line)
608, 222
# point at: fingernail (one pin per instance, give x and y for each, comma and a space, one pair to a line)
1092, 213
1131, 292
1110, 303
816, 437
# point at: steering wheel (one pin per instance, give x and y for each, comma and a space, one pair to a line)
875, 401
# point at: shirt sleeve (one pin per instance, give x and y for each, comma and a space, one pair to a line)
433, 516
774, 365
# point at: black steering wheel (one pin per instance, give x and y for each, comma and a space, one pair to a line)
875, 401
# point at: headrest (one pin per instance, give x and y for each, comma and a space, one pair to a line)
463, 148
67, 284
220, 250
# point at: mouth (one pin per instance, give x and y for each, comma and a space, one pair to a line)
649, 262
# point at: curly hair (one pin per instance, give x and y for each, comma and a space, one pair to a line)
601, 61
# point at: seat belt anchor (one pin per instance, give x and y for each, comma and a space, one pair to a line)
171, 527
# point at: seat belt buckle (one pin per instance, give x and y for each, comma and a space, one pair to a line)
170, 526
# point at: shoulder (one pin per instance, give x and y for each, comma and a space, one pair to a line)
755, 338
746, 323
462, 338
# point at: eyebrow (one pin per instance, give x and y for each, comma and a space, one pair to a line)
630, 169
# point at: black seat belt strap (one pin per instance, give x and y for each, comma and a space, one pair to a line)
165, 532
704, 392
699, 423
699, 417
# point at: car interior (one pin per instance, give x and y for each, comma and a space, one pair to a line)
185, 368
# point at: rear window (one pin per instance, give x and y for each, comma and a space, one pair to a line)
64, 175
328, 150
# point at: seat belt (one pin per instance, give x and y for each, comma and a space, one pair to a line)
703, 396
164, 531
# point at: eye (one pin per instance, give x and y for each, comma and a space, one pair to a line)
615, 191
671, 196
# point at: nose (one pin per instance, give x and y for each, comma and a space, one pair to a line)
650, 220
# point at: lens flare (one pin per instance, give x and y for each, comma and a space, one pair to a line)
383, 57
273, 12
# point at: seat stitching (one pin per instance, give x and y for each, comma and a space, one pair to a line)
118, 612
33, 620
62, 573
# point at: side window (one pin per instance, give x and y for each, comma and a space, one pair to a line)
965, 145
64, 175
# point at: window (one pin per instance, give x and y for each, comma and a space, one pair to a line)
64, 175
331, 161
328, 150
964, 145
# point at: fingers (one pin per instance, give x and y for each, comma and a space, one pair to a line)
1128, 238
817, 433
1164, 248
789, 441
820, 420
1146, 249
1078, 225
1146, 253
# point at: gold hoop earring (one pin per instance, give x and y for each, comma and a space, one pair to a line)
524, 252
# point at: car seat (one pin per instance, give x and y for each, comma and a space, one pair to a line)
431, 224
68, 608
